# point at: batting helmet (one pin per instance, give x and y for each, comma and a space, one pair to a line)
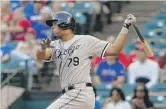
63, 19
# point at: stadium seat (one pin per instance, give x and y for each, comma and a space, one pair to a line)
18, 61
158, 99
84, 7
128, 89
160, 16
161, 87
14, 62
12, 44
154, 24
65, 7
103, 90
80, 17
103, 86
129, 47
103, 93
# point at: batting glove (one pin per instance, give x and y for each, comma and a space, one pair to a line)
131, 19
45, 44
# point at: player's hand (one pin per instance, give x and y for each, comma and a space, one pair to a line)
131, 19
45, 43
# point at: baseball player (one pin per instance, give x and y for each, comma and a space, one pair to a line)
72, 55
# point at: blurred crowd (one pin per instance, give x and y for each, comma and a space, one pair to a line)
117, 69
23, 26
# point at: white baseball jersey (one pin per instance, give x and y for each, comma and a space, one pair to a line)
72, 58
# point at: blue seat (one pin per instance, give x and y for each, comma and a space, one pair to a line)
160, 16
83, 7
128, 89
154, 24
17, 61
103, 86
103, 93
147, 29
161, 87
163, 8
13, 44
80, 17
103, 90
129, 47
155, 99
65, 7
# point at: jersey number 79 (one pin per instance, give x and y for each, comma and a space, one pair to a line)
74, 61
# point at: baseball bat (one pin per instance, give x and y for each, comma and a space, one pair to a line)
144, 43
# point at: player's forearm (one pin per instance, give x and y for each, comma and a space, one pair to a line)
120, 40
117, 46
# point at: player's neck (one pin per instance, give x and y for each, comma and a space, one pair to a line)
67, 36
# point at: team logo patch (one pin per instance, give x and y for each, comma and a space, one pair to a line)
59, 53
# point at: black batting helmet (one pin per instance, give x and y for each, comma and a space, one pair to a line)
63, 19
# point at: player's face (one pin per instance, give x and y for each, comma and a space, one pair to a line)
55, 29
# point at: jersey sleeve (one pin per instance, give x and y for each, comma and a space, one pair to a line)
96, 47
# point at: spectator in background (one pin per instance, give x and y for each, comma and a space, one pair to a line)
43, 30
132, 55
56, 6
107, 10
28, 8
141, 99
34, 15
116, 100
5, 48
143, 67
32, 9
38, 5
6, 13
18, 26
110, 71
162, 63
28, 48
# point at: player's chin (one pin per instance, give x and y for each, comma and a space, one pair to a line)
56, 34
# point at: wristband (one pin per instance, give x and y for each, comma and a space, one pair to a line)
127, 25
